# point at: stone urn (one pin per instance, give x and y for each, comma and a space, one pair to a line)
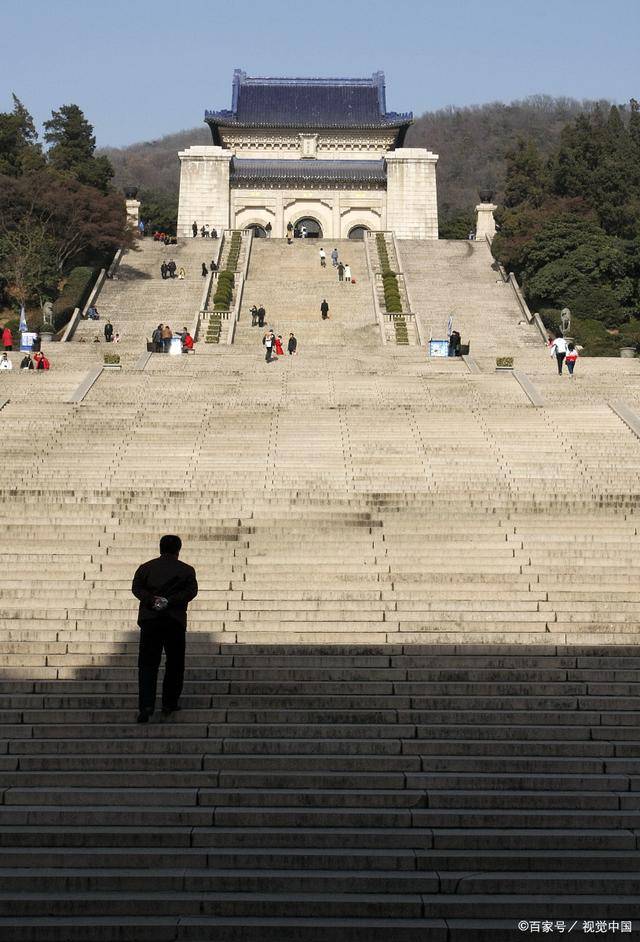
627, 352
486, 194
131, 192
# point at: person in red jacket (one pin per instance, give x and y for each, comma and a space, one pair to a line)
187, 342
7, 339
41, 361
279, 350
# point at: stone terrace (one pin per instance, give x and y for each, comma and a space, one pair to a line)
411, 707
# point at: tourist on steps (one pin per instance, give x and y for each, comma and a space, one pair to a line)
171, 267
204, 270
156, 339
292, 346
289, 233
268, 340
454, 343
194, 229
268, 228
181, 273
108, 331
166, 338
323, 259
324, 309
347, 273
570, 358
340, 272
279, 350
559, 349
213, 266
164, 587
41, 361
5, 362
261, 316
163, 270
334, 258
27, 362
7, 340
187, 342
254, 316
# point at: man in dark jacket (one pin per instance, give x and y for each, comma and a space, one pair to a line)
292, 346
324, 309
164, 586
108, 331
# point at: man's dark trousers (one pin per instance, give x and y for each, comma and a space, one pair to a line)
155, 636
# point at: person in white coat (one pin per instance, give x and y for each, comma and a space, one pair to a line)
558, 349
5, 362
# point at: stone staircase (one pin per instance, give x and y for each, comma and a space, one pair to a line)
138, 298
411, 709
399, 328
457, 278
290, 284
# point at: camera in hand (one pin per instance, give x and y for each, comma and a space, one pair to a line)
160, 603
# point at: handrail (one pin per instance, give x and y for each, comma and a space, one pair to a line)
416, 319
376, 303
93, 297
206, 291
113, 267
520, 298
234, 315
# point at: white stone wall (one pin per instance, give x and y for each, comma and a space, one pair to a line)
288, 144
412, 207
204, 188
337, 211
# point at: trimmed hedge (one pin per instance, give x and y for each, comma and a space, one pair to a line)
226, 279
392, 299
75, 293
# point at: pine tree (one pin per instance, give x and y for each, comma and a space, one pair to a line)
19, 148
72, 146
525, 177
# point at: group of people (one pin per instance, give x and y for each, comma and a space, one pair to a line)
37, 362
273, 345
564, 352
163, 335
343, 268
169, 269
204, 231
258, 315
212, 267
165, 238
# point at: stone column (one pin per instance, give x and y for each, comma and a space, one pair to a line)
204, 189
133, 212
412, 204
485, 222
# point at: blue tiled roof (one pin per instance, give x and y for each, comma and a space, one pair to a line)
308, 172
307, 103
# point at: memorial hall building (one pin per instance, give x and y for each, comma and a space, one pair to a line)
323, 154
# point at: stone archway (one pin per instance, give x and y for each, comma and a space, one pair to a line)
310, 225
358, 233
259, 231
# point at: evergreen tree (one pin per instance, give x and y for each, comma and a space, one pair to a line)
72, 146
525, 179
19, 149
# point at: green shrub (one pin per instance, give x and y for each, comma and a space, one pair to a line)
505, 363
75, 293
112, 358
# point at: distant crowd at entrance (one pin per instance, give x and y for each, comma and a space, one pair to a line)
305, 228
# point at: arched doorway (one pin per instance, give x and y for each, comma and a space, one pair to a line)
358, 232
259, 232
312, 228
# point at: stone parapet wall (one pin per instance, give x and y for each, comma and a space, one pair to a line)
204, 188
412, 205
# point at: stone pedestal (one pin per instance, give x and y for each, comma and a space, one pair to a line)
133, 212
412, 206
485, 222
204, 189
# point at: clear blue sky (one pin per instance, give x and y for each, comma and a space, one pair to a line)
140, 69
